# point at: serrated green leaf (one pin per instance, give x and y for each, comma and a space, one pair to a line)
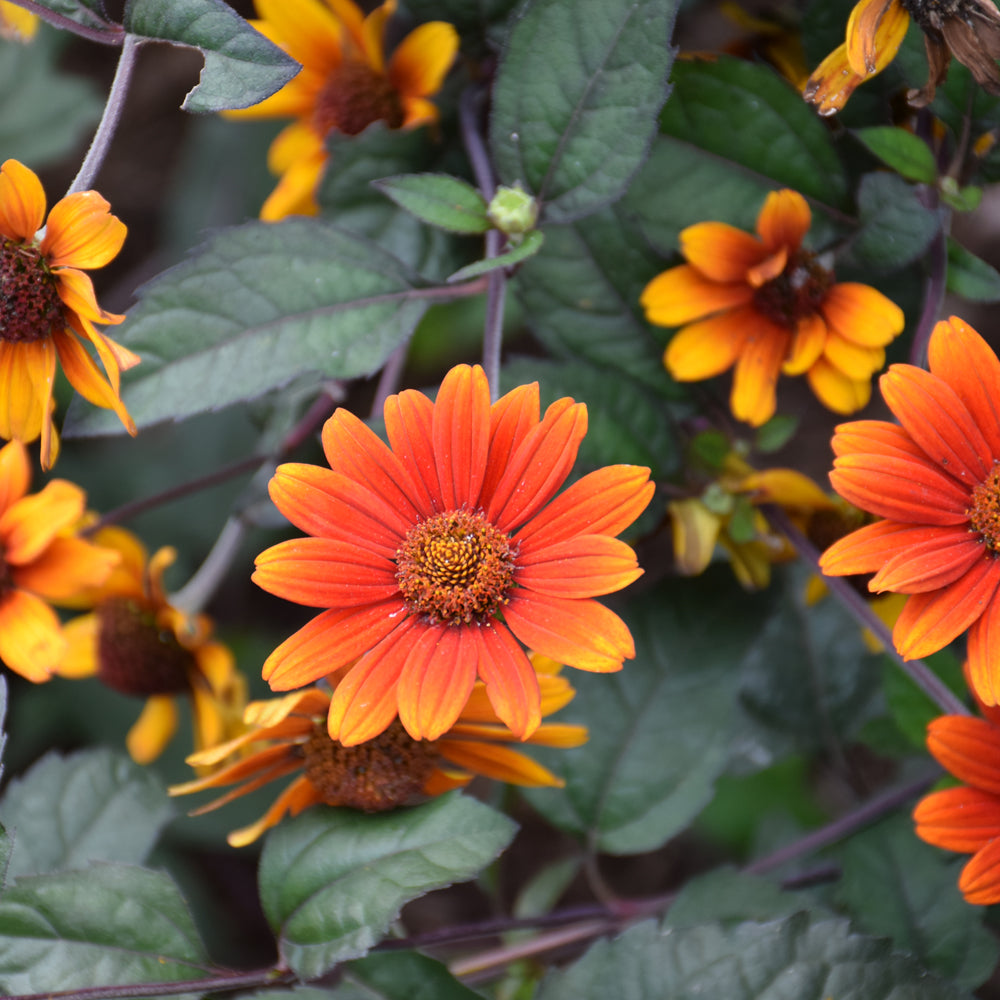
104, 924
800, 958
528, 247
253, 308
242, 67
576, 98
893, 884
95, 805
332, 880
439, 200
659, 729
903, 151
896, 227
970, 277
749, 115
89, 13
727, 896
401, 975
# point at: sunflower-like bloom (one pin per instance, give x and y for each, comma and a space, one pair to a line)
434, 554
137, 643
16, 23
48, 307
289, 734
345, 85
766, 305
936, 482
42, 562
967, 29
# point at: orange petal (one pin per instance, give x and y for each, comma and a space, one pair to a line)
31, 643
807, 345
835, 390
308, 31
980, 878
81, 658
29, 526
295, 193
422, 60
784, 220
856, 362
409, 417
583, 566
512, 417
372, 35
753, 398
418, 111
299, 795
875, 30
967, 747
27, 375
832, 82
461, 436
941, 558
862, 315
869, 548
581, 634
707, 348
683, 294
983, 663
875, 437
720, 251
153, 730
15, 474
497, 762
958, 819
65, 568
325, 573
22, 202
87, 379
77, 293
511, 683
328, 642
82, 232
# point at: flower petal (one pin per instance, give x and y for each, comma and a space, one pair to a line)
299, 795
511, 682
875, 437
65, 568
869, 548
31, 642
967, 747
497, 762
875, 30
81, 657
583, 566
707, 348
983, 652
980, 878
933, 562
461, 436
22, 202
784, 220
862, 314
15, 474
512, 417
683, 294
86, 378
295, 193
308, 31
753, 398
153, 730
27, 375
835, 390
409, 418
422, 60
720, 251
807, 345
29, 526
832, 82
82, 232
958, 819
854, 361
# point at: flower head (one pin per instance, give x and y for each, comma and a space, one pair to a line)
345, 85
16, 23
435, 555
48, 307
42, 562
766, 305
935, 480
967, 29
289, 734
137, 643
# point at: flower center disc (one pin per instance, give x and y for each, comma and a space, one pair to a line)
797, 292
137, 657
380, 774
30, 307
353, 97
984, 514
456, 568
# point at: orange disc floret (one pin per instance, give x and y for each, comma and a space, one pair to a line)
435, 555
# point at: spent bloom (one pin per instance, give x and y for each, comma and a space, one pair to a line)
967, 29
48, 308
137, 643
764, 305
934, 479
345, 85
435, 555
42, 562
289, 735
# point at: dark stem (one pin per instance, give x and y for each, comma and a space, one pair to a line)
934, 289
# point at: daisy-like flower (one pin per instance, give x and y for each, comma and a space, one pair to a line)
16, 23
433, 557
936, 482
767, 306
42, 562
967, 29
137, 643
289, 734
345, 85
48, 307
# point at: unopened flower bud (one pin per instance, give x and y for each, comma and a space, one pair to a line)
513, 211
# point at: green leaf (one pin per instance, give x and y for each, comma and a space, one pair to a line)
332, 880
911, 709
800, 958
252, 309
625, 422
528, 247
746, 113
468, 16
776, 433
970, 277
89, 13
904, 152
401, 975
729, 896
896, 227
659, 729
242, 67
895, 885
93, 805
576, 98
106, 924
439, 200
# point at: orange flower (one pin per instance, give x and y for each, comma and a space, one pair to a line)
42, 561
967, 818
766, 305
17, 24
137, 643
936, 482
48, 307
433, 555
387, 771
344, 85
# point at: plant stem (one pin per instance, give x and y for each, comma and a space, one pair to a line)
113, 34
113, 108
934, 290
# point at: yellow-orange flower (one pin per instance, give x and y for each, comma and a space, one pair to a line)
137, 643
767, 306
969, 30
16, 23
42, 562
289, 734
435, 556
936, 482
48, 307
345, 85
